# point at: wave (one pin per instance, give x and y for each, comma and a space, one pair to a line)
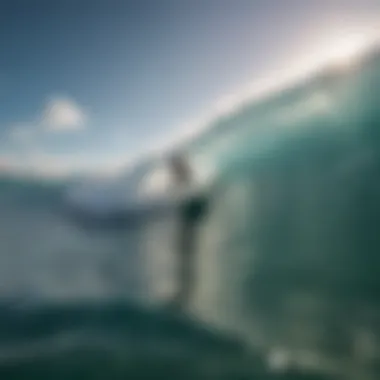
290, 247
321, 106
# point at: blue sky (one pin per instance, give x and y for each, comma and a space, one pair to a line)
92, 83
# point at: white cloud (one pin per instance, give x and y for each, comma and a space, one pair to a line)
59, 114
63, 114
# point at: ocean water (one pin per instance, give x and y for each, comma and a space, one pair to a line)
287, 257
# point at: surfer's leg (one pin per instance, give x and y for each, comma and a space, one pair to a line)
190, 217
186, 260
187, 269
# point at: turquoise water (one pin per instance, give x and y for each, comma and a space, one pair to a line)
297, 219
287, 258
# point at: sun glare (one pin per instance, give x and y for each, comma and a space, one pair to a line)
346, 50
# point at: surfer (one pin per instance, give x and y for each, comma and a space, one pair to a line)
191, 209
